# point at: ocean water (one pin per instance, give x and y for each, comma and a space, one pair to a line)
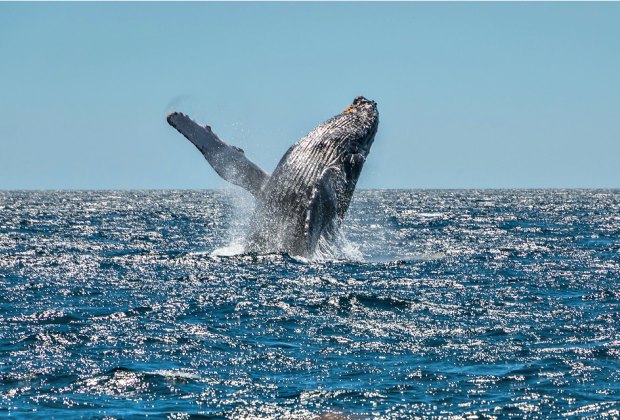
439, 303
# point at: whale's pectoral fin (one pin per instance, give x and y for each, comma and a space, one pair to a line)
228, 161
322, 216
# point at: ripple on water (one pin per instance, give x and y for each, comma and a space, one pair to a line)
475, 302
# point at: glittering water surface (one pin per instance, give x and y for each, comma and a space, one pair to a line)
450, 303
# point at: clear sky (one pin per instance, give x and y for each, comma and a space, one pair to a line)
470, 95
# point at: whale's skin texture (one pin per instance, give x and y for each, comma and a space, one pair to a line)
303, 202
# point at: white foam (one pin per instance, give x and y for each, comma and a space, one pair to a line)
229, 250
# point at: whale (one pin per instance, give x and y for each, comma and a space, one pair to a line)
300, 206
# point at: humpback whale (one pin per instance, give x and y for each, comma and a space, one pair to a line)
303, 202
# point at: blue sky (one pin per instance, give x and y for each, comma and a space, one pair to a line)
470, 95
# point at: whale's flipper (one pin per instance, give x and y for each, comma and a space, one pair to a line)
228, 161
324, 207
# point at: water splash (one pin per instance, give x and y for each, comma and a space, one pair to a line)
241, 208
242, 204
338, 247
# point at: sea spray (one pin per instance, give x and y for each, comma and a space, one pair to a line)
241, 206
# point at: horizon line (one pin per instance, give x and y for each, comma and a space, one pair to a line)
233, 189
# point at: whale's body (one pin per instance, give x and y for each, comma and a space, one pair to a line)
309, 192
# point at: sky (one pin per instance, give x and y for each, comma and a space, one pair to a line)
470, 95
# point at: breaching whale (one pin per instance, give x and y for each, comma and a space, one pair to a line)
302, 203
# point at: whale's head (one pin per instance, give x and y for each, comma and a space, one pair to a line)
362, 119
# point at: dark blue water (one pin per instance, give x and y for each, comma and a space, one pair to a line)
442, 303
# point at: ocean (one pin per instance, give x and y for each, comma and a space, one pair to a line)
436, 303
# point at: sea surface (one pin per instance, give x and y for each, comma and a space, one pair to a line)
437, 303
